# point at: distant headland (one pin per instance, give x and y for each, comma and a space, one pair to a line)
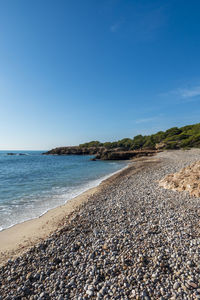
174, 138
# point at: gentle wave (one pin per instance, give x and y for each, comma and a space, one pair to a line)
39, 183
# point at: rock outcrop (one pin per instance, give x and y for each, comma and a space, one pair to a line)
188, 179
123, 155
11, 153
101, 152
160, 146
74, 150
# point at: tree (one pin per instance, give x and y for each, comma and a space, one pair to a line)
138, 141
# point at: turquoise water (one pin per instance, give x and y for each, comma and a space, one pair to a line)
32, 184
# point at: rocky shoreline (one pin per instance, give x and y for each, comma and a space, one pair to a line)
102, 153
133, 240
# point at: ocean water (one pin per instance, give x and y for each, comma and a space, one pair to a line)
33, 183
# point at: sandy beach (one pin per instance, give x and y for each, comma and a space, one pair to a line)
126, 239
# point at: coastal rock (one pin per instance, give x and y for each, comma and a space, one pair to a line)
101, 152
20, 154
160, 146
75, 150
187, 179
124, 155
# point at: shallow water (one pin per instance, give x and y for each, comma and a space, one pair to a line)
33, 183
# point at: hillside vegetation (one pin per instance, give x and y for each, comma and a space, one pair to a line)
173, 138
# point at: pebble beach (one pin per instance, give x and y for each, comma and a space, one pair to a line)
132, 239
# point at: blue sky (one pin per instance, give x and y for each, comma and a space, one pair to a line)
75, 71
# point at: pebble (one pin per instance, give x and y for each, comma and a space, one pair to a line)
89, 292
176, 285
192, 285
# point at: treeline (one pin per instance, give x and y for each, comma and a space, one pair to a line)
173, 138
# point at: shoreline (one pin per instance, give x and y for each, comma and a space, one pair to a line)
19, 238
94, 183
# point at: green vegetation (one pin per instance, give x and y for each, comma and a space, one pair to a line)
173, 138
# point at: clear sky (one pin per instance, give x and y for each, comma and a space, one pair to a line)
72, 71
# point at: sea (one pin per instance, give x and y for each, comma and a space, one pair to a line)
32, 183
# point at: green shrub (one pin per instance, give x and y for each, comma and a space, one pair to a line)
172, 145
